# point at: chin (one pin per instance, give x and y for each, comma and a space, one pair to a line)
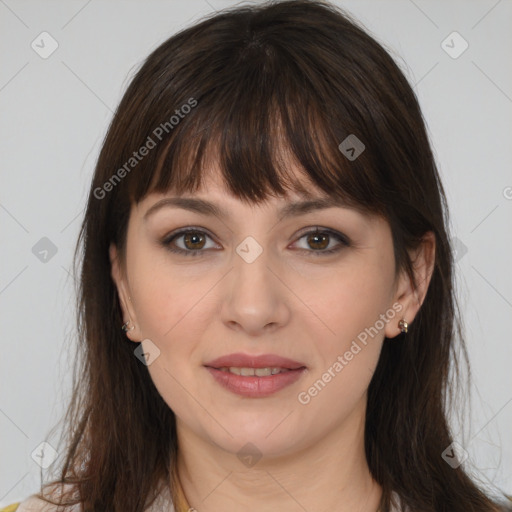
269, 437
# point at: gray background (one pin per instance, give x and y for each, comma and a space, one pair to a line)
55, 112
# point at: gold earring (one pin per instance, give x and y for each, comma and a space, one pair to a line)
403, 325
126, 328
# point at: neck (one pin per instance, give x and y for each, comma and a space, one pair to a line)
330, 474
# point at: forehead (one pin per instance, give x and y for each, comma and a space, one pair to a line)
214, 187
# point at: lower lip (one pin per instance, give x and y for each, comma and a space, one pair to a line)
255, 387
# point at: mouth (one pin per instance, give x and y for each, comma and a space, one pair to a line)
251, 372
255, 376
249, 361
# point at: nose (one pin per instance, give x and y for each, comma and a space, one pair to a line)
255, 297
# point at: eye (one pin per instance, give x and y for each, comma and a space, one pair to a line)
192, 242
320, 239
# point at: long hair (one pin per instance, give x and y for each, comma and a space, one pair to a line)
254, 88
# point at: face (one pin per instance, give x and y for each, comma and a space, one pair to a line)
314, 287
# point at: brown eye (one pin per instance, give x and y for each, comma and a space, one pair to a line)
318, 240
189, 242
194, 240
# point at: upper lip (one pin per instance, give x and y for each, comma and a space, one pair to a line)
240, 360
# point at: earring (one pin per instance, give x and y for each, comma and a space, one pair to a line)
403, 325
126, 328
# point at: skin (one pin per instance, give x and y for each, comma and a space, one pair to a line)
289, 302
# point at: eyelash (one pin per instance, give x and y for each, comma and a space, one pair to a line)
344, 242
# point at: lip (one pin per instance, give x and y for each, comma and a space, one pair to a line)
253, 386
241, 360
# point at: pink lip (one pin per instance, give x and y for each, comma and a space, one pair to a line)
253, 386
252, 361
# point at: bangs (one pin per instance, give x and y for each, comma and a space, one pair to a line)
265, 123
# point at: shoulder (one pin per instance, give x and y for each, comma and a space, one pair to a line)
163, 501
31, 504
35, 503
10, 508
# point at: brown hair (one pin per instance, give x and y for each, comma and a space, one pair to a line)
264, 84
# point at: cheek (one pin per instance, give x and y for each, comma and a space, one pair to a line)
175, 309
354, 307
174, 312
346, 357
166, 296
349, 300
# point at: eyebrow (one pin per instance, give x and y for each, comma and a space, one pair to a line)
205, 207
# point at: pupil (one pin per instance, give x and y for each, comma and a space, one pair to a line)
316, 239
193, 238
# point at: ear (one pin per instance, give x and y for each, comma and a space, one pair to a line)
123, 291
411, 296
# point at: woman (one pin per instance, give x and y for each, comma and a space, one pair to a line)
266, 303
